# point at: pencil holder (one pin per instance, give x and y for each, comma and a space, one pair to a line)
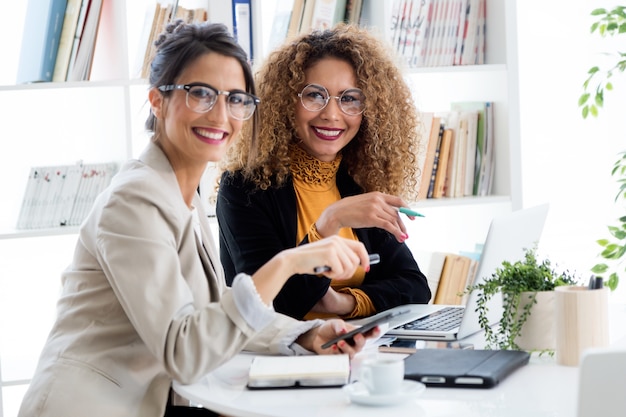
582, 322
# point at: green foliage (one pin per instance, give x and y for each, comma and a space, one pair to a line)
611, 23
614, 248
511, 280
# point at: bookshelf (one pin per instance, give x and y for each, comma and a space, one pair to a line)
455, 224
101, 120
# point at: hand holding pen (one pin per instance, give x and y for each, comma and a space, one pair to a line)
373, 209
374, 259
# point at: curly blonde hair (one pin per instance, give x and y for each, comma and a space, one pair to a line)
383, 154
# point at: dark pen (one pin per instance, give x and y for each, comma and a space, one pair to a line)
595, 283
374, 259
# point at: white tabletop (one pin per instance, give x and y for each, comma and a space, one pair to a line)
542, 388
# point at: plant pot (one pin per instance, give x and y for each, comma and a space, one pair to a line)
539, 330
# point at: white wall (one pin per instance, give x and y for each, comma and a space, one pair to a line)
567, 160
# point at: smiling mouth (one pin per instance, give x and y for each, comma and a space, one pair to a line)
210, 134
331, 134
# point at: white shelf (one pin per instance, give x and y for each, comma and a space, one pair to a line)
28, 233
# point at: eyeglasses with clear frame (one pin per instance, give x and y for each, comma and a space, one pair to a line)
202, 97
315, 97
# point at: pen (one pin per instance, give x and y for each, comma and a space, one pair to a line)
409, 212
374, 259
595, 283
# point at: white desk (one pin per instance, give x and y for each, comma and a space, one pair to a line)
542, 388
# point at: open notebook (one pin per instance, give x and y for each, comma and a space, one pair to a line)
507, 239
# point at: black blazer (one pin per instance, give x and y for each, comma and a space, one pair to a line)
254, 225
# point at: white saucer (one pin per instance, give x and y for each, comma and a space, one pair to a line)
358, 394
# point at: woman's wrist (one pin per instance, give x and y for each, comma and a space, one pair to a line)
326, 225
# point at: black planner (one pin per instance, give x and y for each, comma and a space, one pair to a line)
463, 368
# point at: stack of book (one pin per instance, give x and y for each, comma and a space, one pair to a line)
428, 33
449, 274
308, 15
62, 195
158, 16
457, 158
59, 40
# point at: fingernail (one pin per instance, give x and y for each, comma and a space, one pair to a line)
367, 269
405, 236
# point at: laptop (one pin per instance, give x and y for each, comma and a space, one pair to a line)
507, 239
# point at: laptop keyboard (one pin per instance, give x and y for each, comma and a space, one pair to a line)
444, 319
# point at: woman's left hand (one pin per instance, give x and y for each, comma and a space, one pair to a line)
316, 337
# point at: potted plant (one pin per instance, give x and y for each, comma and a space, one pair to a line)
612, 23
526, 287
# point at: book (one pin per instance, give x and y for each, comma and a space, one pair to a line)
442, 166
462, 162
433, 174
42, 32
432, 136
475, 111
162, 15
298, 371
353, 11
307, 16
80, 25
407, 13
462, 31
469, 48
453, 279
433, 272
452, 174
327, 13
296, 18
84, 56
70, 21
485, 180
67, 195
280, 24
420, 25
242, 26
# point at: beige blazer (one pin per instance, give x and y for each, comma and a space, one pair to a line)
142, 303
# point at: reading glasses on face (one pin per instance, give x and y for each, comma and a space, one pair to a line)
315, 97
202, 97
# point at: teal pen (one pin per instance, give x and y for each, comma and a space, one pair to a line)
409, 212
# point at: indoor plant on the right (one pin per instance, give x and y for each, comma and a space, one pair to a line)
611, 22
521, 284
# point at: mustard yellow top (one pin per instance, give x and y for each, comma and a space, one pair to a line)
315, 183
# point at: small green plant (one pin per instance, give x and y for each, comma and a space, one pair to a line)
512, 281
612, 23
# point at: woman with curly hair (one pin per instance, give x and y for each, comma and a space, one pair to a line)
335, 154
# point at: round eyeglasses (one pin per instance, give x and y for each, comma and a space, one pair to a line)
202, 97
315, 97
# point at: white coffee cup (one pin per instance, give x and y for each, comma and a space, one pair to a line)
382, 376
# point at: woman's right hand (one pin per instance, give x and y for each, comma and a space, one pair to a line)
342, 256
373, 209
